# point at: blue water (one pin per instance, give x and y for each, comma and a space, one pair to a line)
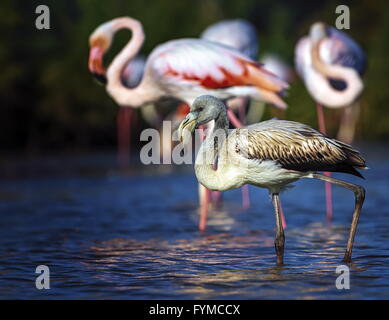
111, 234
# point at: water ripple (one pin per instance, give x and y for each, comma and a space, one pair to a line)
135, 236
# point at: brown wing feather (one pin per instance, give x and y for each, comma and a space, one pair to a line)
297, 147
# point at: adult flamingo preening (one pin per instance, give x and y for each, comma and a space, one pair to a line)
331, 65
182, 69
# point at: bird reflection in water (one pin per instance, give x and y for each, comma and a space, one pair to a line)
221, 264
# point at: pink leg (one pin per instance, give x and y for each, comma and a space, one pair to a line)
205, 197
204, 207
124, 118
328, 186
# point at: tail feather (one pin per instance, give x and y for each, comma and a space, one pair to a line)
264, 79
273, 98
351, 170
354, 158
353, 161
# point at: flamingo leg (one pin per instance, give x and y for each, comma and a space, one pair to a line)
328, 187
359, 199
124, 118
283, 220
279, 242
205, 197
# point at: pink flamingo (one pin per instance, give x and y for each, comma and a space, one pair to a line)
182, 69
331, 65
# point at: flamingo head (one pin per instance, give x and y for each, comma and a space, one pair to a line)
203, 110
99, 42
318, 31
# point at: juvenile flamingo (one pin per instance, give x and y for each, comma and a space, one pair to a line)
270, 154
182, 69
331, 65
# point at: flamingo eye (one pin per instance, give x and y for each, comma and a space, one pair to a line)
200, 109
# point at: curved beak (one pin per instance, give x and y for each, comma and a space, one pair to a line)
187, 126
95, 64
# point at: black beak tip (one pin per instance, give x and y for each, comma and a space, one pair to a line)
101, 78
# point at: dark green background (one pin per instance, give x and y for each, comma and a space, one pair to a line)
50, 102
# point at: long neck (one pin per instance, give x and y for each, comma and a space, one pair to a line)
323, 92
214, 149
134, 97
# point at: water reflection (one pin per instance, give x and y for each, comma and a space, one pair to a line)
134, 235
228, 265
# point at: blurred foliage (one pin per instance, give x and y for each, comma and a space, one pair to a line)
50, 101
